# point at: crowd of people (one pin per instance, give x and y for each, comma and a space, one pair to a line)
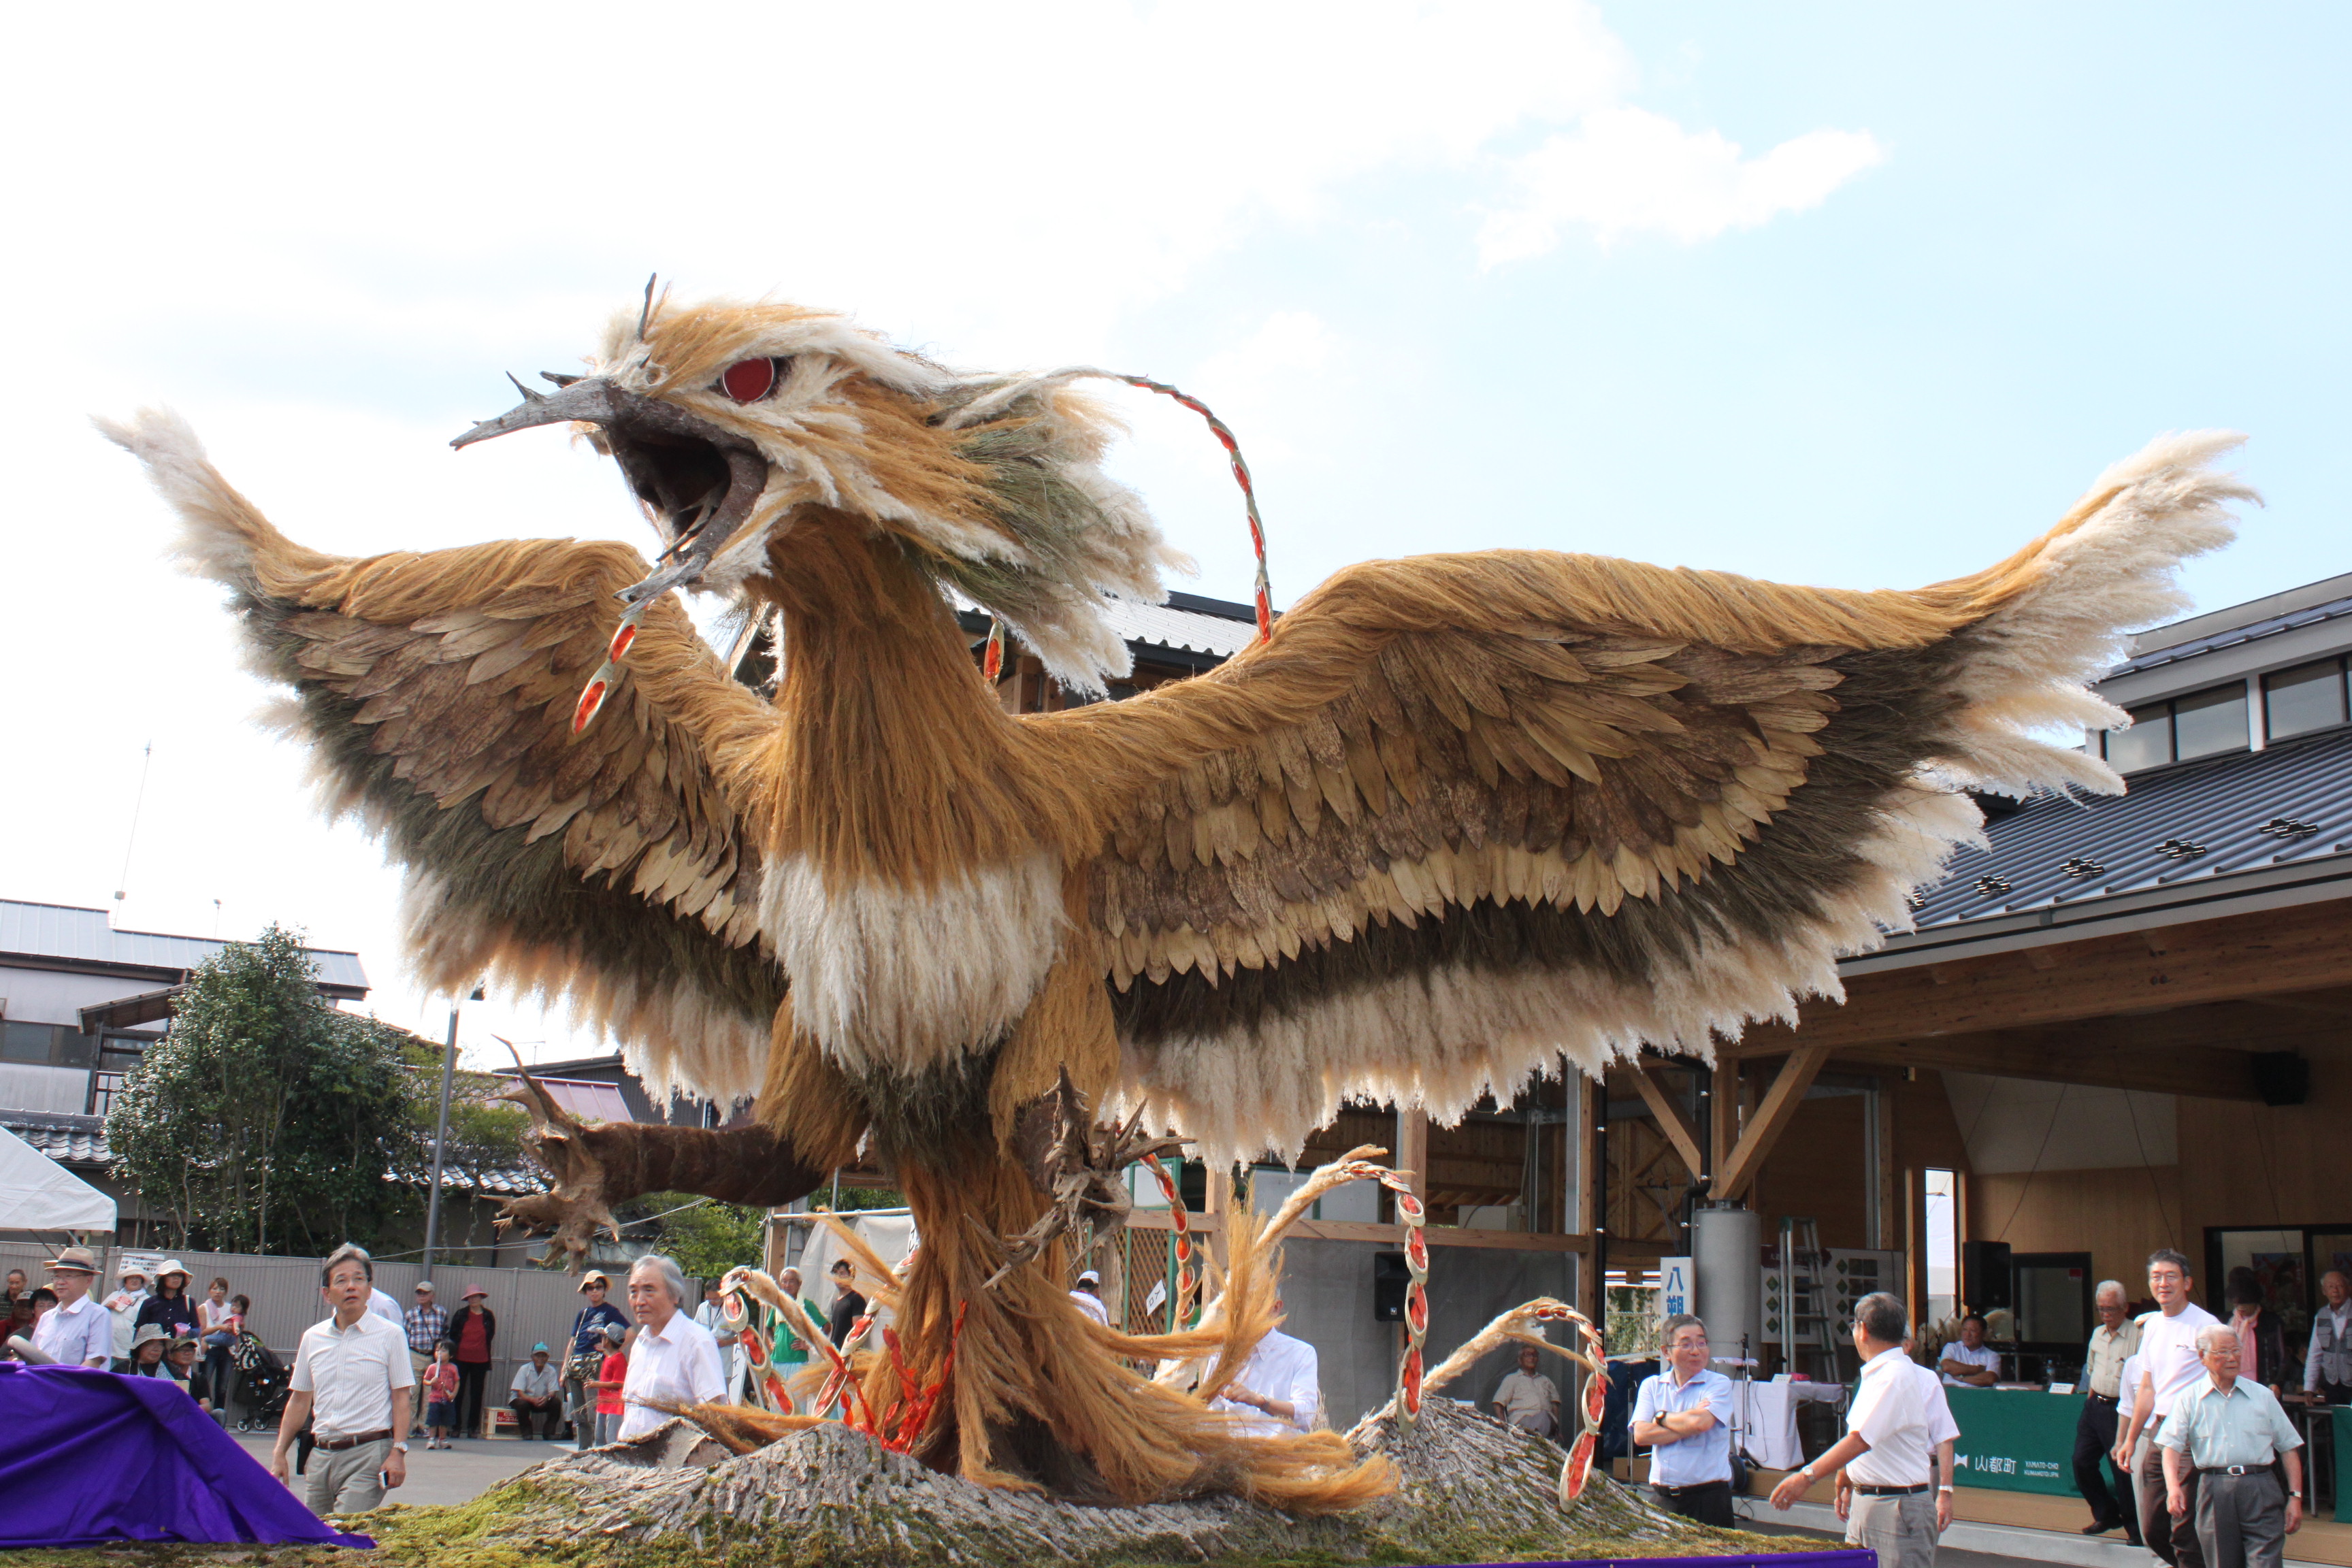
143, 1328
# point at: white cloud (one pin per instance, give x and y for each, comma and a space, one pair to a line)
1627, 171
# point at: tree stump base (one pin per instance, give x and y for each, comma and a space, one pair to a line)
1471, 1491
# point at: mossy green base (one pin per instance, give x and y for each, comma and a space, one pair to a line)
1470, 1490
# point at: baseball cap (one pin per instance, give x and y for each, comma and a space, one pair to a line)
1089, 1278
538, 1348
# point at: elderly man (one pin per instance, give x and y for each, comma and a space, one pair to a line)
2114, 1341
587, 1353
791, 1353
1683, 1415
2327, 1364
2227, 1431
1971, 1364
77, 1331
1526, 1399
352, 1385
536, 1396
1890, 1446
2169, 1366
675, 1359
427, 1324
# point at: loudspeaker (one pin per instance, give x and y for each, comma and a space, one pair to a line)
1390, 1277
2280, 1077
1988, 1278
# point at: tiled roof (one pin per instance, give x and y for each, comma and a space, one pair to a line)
2231, 638
2290, 804
81, 1141
63, 930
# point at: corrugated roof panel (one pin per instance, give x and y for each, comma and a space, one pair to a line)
1171, 627
64, 931
2231, 636
2292, 802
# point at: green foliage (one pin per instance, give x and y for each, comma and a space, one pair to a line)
706, 1239
265, 1120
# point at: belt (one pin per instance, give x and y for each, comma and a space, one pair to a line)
1891, 1491
337, 1445
2105, 1398
1694, 1487
2233, 1469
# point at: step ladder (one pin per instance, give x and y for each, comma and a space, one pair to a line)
1808, 1336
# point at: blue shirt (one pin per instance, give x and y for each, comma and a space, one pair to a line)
588, 1327
2215, 1430
1696, 1460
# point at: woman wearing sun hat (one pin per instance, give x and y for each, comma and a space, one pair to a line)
473, 1329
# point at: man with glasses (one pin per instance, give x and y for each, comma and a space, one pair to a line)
1682, 1416
2171, 1364
2114, 1341
2224, 1436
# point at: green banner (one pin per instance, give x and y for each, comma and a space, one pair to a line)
2019, 1440
2343, 1413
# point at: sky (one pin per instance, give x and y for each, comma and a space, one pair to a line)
1853, 295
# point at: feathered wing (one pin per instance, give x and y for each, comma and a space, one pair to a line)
1465, 812
436, 691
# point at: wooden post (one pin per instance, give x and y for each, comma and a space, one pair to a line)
1413, 1149
1779, 1108
1671, 1121
1723, 1115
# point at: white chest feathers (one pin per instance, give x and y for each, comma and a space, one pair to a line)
887, 977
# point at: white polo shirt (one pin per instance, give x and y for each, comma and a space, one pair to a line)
1941, 1424
79, 1335
1092, 1306
1285, 1368
350, 1374
2167, 1352
679, 1365
1890, 1412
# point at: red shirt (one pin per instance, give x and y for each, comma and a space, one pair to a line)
441, 1381
473, 1339
615, 1368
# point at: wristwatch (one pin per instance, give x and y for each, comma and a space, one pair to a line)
400, 1447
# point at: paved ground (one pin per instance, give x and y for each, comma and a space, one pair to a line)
459, 1475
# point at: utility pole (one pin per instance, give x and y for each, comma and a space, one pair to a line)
441, 1137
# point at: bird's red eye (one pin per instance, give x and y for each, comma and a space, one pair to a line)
749, 380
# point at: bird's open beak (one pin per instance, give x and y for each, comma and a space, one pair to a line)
698, 480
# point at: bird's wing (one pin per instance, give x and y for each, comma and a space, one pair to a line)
436, 692
1464, 812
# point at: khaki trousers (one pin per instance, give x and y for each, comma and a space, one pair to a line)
1901, 1530
345, 1481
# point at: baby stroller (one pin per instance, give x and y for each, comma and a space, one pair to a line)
261, 1383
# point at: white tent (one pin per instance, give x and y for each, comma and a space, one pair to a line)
38, 1193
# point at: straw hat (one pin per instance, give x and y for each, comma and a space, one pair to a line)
595, 1276
148, 1333
74, 1260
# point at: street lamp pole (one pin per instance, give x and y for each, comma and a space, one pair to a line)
441, 1137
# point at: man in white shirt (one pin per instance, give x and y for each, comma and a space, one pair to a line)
2327, 1365
537, 1395
1283, 1382
382, 1305
1087, 1295
77, 1331
1971, 1364
1526, 1399
1889, 1448
675, 1359
1682, 1416
2169, 1365
352, 1384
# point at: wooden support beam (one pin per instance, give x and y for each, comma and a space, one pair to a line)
1671, 1121
2203, 1072
2274, 952
1773, 1117
1723, 1115
1413, 1149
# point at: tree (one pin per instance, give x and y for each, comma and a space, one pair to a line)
265, 1121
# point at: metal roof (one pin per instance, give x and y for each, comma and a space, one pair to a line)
2231, 636
1187, 623
88, 937
2176, 824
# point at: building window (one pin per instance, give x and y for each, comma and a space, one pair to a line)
2180, 730
2308, 697
59, 1045
102, 1086
1941, 1192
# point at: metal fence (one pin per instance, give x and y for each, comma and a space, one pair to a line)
531, 1305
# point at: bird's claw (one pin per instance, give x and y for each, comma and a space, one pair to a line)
574, 1208
1079, 1165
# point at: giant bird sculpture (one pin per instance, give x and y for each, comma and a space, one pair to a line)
1459, 816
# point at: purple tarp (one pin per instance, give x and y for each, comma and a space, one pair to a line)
1841, 1557
87, 1457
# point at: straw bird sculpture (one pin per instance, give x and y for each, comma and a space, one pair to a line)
1461, 814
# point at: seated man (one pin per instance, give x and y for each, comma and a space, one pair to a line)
1281, 1383
538, 1392
1971, 1364
1527, 1399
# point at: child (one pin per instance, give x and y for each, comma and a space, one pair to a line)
440, 1395
609, 1378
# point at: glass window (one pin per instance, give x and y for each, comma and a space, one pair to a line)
2209, 723
1941, 1191
25, 1042
2146, 744
2306, 697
